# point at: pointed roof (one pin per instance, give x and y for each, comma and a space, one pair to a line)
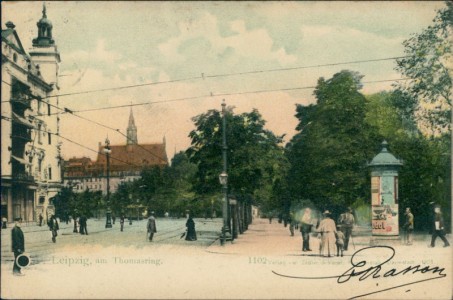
10, 37
131, 119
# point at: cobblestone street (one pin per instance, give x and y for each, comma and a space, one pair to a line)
263, 263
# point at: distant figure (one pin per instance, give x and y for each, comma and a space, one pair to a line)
113, 219
347, 223
408, 227
75, 224
151, 226
122, 222
40, 219
191, 233
328, 230
17, 244
83, 225
270, 218
305, 229
53, 226
438, 228
291, 224
4, 223
339, 242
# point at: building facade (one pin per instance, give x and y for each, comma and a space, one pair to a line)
126, 163
30, 147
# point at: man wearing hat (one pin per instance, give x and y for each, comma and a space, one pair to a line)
346, 224
151, 226
17, 245
438, 228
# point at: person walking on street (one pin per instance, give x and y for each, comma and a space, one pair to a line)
40, 220
347, 223
83, 225
4, 223
340, 241
122, 222
151, 226
305, 229
53, 226
408, 227
17, 245
328, 231
291, 223
438, 228
191, 233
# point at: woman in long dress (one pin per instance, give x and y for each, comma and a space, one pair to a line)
327, 229
191, 233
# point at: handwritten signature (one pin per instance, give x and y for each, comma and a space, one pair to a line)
362, 269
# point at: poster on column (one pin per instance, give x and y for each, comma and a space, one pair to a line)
385, 220
119, 117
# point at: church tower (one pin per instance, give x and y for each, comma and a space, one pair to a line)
131, 131
44, 52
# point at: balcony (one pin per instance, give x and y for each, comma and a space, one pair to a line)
23, 177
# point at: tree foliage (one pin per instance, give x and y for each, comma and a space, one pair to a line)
329, 154
255, 156
428, 65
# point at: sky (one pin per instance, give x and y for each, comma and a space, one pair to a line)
176, 49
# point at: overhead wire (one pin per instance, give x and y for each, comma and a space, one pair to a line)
203, 75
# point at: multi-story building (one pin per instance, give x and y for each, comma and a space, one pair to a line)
30, 147
125, 164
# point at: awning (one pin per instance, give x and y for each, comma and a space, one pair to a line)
22, 120
20, 160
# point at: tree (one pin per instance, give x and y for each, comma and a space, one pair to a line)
255, 155
424, 177
428, 65
329, 154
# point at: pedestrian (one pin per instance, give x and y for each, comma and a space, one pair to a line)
270, 218
83, 225
17, 244
408, 227
305, 229
40, 219
347, 223
122, 222
191, 233
340, 241
75, 224
53, 226
4, 220
327, 230
291, 223
113, 219
438, 228
151, 226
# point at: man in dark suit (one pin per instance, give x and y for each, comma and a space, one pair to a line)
17, 245
438, 228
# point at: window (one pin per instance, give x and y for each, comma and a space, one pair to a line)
50, 173
39, 165
39, 133
15, 57
41, 199
50, 138
48, 109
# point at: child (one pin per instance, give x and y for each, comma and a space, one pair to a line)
340, 241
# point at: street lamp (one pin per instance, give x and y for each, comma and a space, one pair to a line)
223, 178
107, 151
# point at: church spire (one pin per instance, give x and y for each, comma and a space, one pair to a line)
131, 130
44, 38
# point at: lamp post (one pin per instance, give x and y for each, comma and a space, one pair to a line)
108, 223
223, 178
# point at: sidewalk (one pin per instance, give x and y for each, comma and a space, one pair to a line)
275, 239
